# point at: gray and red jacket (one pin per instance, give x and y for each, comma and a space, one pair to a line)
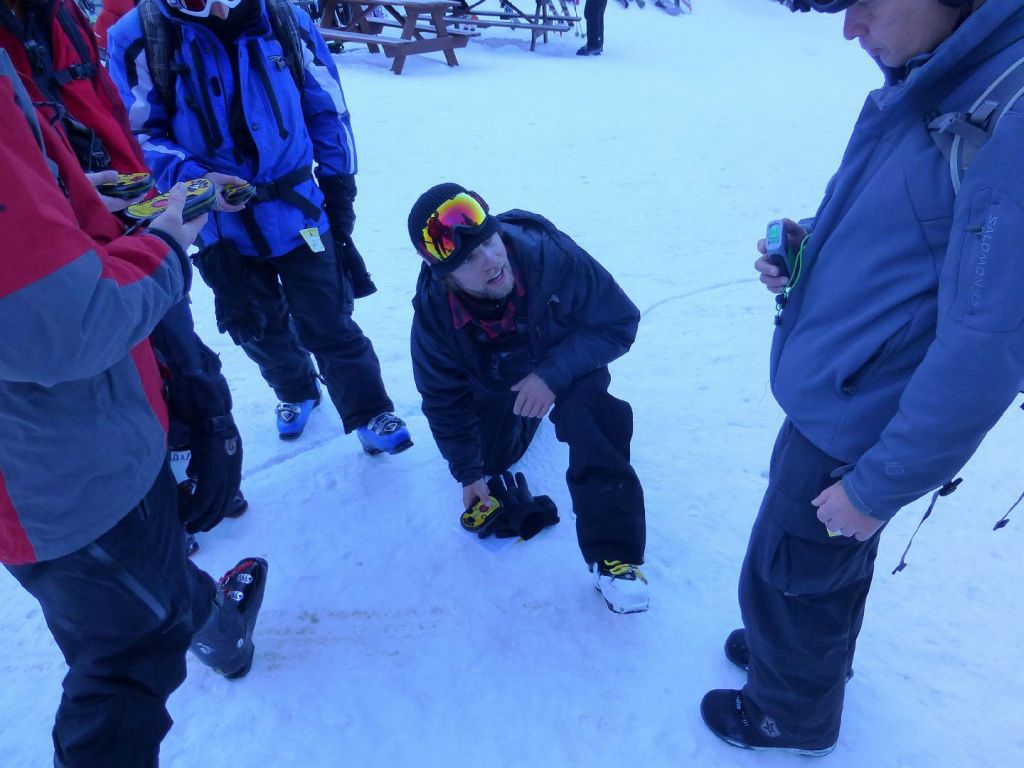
82, 416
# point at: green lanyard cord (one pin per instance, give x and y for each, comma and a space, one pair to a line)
794, 278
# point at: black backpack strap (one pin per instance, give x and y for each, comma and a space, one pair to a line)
286, 30
283, 189
959, 135
162, 41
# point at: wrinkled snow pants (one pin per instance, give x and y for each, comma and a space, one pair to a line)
802, 597
122, 610
606, 494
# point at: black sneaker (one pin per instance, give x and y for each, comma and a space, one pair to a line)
726, 713
224, 643
737, 652
588, 50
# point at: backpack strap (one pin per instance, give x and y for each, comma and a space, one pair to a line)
286, 30
959, 135
162, 41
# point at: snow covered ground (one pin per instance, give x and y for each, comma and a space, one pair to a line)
389, 638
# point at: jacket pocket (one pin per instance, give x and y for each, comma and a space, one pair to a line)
990, 266
796, 566
876, 360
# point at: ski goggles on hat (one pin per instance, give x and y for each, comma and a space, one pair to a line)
200, 8
822, 6
441, 232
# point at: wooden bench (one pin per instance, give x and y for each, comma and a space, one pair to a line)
449, 22
391, 45
422, 23
540, 23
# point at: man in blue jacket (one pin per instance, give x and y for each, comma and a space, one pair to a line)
513, 320
246, 90
897, 349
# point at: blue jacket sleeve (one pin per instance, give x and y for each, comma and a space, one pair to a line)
147, 114
323, 104
974, 367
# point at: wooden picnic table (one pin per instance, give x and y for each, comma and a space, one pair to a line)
422, 23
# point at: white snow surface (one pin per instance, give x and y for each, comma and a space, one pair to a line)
389, 637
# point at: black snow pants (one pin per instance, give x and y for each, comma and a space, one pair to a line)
802, 597
308, 306
122, 610
606, 494
593, 12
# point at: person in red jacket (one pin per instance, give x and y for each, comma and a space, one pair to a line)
109, 15
89, 522
54, 51
52, 46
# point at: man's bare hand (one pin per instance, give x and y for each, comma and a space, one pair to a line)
112, 204
221, 180
535, 397
840, 516
770, 274
169, 222
475, 492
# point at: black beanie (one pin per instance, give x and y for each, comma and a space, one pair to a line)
469, 237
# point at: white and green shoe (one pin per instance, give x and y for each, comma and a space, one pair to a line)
622, 585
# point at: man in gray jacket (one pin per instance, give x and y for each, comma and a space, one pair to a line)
898, 347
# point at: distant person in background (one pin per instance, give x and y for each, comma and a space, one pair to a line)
899, 343
109, 15
514, 320
593, 12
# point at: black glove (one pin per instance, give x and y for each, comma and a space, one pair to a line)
524, 515
216, 467
339, 198
238, 312
201, 400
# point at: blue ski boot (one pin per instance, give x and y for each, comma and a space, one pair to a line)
384, 433
224, 642
292, 417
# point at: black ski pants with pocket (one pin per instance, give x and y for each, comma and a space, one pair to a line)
802, 596
122, 610
308, 306
606, 494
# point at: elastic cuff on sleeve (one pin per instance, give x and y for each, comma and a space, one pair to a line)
183, 260
858, 500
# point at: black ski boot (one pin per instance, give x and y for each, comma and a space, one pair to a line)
224, 643
731, 718
237, 506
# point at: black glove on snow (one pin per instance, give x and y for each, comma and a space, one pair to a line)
339, 198
238, 312
524, 515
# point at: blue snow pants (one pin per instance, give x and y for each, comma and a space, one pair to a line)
122, 610
606, 494
802, 596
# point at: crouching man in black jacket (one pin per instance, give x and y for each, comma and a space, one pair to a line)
513, 320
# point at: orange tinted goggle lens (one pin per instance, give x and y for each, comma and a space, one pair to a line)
463, 210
